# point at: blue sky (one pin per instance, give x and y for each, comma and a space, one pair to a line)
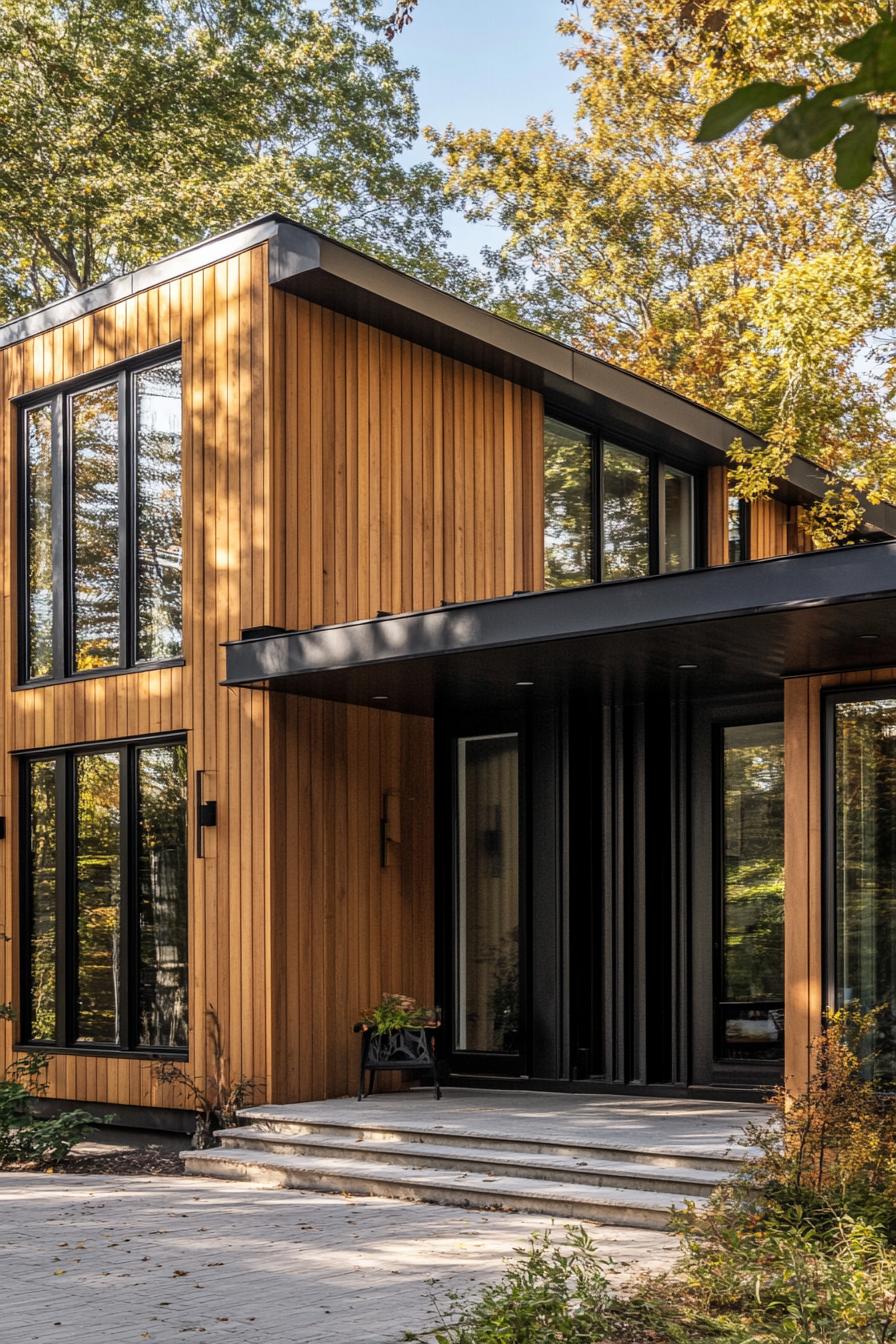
485, 63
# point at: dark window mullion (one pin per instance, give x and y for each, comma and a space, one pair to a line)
654, 515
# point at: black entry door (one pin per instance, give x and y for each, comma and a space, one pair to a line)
486, 968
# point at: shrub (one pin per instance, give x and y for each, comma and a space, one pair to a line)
24, 1138
797, 1250
219, 1097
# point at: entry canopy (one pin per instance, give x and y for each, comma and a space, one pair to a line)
724, 630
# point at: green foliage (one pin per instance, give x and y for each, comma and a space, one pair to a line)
801, 1249
217, 1098
24, 1138
396, 1011
745, 280
837, 113
134, 127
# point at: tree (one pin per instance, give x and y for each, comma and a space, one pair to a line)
134, 127
849, 113
748, 282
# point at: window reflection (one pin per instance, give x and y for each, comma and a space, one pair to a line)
162, 895
488, 896
568, 530
626, 513
678, 520
752, 916
865, 863
96, 527
159, 513
98, 895
42, 812
39, 471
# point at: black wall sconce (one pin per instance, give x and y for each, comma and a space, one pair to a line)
390, 820
206, 815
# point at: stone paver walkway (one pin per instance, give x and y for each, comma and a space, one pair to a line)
121, 1260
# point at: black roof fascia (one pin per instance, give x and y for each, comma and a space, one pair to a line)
340, 277
189, 259
823, 578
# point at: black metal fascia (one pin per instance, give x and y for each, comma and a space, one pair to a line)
823, 578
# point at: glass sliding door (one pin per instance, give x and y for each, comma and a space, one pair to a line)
862, 898
487, 1000
750, 926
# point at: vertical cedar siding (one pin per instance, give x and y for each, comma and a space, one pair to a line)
402, 479
221, 316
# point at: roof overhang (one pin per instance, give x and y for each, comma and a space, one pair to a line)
744, 626
317, 267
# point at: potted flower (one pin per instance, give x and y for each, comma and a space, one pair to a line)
397, 1034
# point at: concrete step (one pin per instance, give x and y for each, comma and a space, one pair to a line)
466, 1189
273, 1121
497, 1159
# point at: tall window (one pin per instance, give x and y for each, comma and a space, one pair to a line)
568, 524
751, 917
863, 867
612, 512
102, 508
105, 897
737, 529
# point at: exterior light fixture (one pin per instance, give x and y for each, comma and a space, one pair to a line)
688, 667
525, 683
379, 697
869, 636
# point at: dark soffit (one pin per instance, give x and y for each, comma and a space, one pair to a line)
744, 626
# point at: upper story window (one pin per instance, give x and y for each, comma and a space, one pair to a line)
612, 512
102, 517
737, 529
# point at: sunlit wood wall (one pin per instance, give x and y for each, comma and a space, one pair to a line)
221, 315
403, 478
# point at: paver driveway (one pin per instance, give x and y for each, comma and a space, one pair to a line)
123, 1259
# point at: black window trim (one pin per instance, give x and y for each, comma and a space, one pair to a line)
747, 718
66, 969
830, 699
657, 458
58, 396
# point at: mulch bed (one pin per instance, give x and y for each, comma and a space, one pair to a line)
124, 1162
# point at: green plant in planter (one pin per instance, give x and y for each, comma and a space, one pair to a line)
396, 1012
24, 1137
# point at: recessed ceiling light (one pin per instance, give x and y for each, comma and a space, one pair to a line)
688, 667
379, 697
525, 683
869, 636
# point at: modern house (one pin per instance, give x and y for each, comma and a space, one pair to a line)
356, 640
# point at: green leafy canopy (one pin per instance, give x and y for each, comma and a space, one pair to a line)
837, 113
134, 127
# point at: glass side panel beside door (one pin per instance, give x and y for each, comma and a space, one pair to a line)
750, 1006
487, 911
864, 865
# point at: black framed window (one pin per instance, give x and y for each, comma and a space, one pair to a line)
738, 529
102, 521
104, 898
613, 510
861, 859
750, 909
